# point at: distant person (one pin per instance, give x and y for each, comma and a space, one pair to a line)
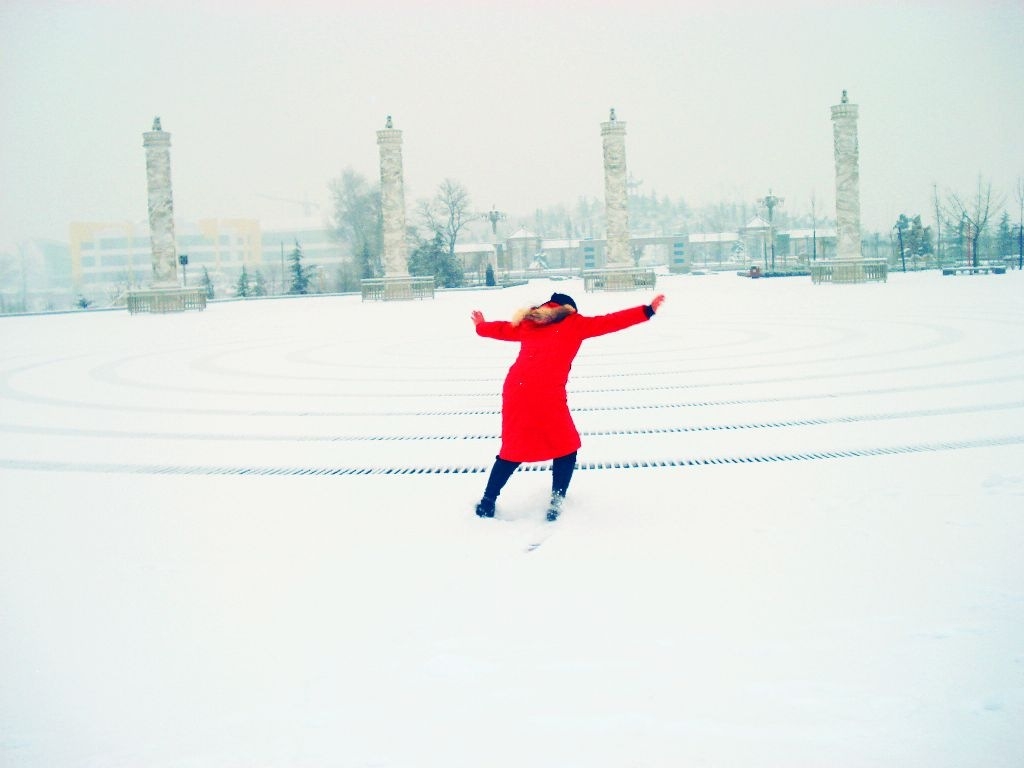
535, 420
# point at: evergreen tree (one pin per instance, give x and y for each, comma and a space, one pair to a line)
259, 286
366, 265
242, 289
919, 240
207, 283
915, 239
431, 257
299, 273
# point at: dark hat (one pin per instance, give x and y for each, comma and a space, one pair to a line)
561, 298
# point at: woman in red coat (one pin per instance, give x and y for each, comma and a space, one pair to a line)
535, 420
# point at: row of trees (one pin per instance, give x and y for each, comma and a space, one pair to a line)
964, 232
254, 284
960, 229
432, 239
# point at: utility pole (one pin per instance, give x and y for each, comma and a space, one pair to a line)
814, 228
899, 235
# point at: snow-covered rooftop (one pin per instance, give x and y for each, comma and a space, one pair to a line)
522, 234
714, 237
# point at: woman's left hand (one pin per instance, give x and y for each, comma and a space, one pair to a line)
478, 316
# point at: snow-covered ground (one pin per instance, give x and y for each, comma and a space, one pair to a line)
244, 537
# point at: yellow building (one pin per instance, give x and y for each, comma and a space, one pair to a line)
109, 258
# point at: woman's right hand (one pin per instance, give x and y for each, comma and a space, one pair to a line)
478, 317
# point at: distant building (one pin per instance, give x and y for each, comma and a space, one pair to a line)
108, 258
715, 248
105, 259
35, 276
811, 244
520, 249
474, 258
104, 254
751, 244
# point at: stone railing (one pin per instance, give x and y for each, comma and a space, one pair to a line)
852, 271
619, 279
397, 288
159, 300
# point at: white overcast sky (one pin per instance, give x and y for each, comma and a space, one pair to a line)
722, 100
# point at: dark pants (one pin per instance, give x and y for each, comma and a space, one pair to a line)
561, 474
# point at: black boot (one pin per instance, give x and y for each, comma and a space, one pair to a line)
500, 473
561, 474
485, 508
555, 508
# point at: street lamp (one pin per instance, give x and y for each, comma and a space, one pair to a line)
494, 216
769, 202
183, 260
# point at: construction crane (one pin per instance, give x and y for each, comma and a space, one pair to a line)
307, 205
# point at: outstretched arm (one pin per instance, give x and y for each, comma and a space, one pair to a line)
624, 318
494, 329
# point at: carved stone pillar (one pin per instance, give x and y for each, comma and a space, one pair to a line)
616, 198
157, 143
392, 196
844, 132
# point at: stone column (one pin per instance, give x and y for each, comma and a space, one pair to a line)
844, 132
392, 198
157, 143
616, 199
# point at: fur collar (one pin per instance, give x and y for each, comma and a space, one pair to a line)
543, 315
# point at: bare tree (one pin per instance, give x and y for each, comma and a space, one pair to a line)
447, 213
975, 213
357, 220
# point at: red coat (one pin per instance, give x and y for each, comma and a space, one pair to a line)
535, 420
